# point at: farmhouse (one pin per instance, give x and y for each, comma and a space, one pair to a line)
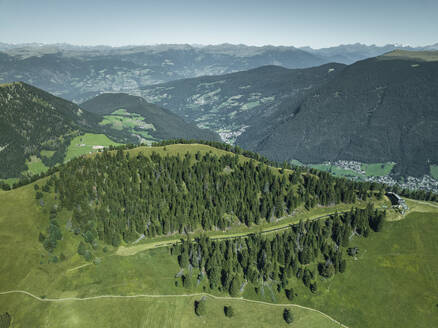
394, 198
397, 201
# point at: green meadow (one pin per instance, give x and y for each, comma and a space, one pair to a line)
393, 282
377, 169
84, 144
132, 122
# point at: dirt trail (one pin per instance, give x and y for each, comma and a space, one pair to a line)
68, 299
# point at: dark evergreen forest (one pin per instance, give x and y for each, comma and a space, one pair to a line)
230, 264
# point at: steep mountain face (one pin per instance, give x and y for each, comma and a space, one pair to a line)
80, 73
145, 121
377, 110
229, 103
32, 120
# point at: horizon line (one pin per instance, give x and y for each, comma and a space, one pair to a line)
200, 45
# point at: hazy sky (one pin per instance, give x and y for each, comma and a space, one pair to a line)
316, 23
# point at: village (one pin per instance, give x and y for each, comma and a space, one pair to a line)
424, 183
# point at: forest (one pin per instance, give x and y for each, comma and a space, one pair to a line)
116, 196
230, 264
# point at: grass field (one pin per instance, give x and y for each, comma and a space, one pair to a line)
151, 272
10, 181
35, 165
135, 123
336, 170
155, 312
393, 283
377, 169
83, 144
434, 171
47, 153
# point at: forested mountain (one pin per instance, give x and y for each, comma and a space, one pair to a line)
126, 194
229, 103
32, 120
37, 128
145, 121
377, 110
79, 73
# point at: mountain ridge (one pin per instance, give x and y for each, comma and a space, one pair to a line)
79, 73
369, 97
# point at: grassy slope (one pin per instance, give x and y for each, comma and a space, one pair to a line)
26, 267
90, 140
35, 165
394, 280
147, 312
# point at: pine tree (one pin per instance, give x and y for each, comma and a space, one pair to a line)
200, 307
287, 316
229, 311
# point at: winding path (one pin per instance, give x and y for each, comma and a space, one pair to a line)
67, 299
134, 249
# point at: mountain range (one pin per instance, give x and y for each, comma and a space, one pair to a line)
376, 110
79, 73
230, 103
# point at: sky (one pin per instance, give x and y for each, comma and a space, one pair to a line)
315, 23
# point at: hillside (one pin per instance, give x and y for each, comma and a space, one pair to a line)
228, 104
37, 126
68, 273
39, 130
378, 110
143, 120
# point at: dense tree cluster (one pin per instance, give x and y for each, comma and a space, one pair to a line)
414, 194
229, 264
115, 196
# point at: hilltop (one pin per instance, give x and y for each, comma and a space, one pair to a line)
75, 275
